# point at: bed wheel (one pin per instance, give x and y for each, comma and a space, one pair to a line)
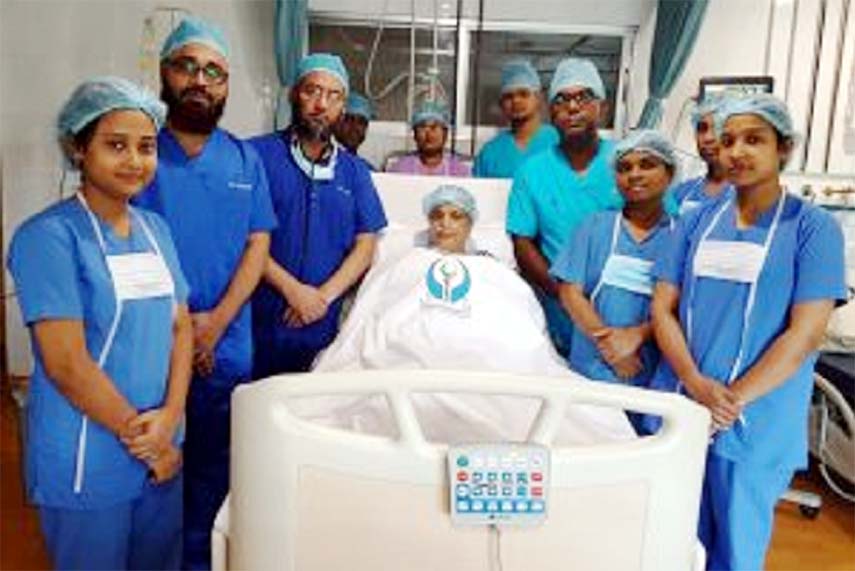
809, 512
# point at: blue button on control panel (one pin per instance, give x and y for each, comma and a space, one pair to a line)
505, 484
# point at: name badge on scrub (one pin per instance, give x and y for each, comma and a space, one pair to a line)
140, 276
729, 261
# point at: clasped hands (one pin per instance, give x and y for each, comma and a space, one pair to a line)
306, 305
725, 404
148, 437
619, 347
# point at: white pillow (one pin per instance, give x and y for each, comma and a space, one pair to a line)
394, 243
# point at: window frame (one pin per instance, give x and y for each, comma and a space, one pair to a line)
468, 28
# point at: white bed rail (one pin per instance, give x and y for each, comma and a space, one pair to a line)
306, 496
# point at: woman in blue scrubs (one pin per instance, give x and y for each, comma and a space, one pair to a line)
743, 298
693, 192
604, 270
101, 290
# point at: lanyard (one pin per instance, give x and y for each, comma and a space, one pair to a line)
752, 287
121, 296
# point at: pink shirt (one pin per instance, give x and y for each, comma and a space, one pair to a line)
450, 166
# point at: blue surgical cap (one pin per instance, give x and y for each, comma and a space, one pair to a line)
709, 104
359, 105
648, 141
766, 106
451, 194
195, 31
431, 111
575, 72
518, 74
327, 63
101, 95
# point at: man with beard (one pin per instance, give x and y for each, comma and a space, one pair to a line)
559, 187
212, 190
430, 132
352, 128
694, 192
329, 214
520, 103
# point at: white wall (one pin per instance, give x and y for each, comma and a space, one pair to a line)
49, 46
731, 41
802, 44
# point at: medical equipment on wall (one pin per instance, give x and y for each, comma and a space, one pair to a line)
307, 496
832, 422
422, 85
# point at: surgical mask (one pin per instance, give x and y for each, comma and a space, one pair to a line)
625, 272
628, 273
731, 261
315, 171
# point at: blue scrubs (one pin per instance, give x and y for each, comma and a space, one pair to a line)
501, 156
548, 200
582, 262
75, 468
212, 203
804, 263
318, 224
691, 193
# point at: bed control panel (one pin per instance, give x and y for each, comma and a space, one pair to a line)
503, 484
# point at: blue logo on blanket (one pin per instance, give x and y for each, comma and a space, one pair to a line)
448, 280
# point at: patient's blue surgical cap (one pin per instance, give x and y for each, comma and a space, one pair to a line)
709, 104
195, 31
451, 194
766, 106
519, 73
431, 111
327, 63
359, 105
576, 72
100, 95
648, 141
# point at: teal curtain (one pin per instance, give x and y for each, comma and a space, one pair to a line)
290, 43
677, 25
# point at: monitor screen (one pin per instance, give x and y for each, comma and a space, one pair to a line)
735, 84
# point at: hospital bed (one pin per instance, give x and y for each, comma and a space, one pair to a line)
310, 497
309, 493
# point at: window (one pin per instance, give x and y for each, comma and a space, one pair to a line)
390, 69
544, 45
544, 50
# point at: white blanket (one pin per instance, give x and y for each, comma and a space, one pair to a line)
429, 311
398, 322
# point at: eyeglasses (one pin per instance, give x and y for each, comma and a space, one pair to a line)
190, 68
312, 92
580, 98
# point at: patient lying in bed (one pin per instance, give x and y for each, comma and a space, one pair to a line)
443, 307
